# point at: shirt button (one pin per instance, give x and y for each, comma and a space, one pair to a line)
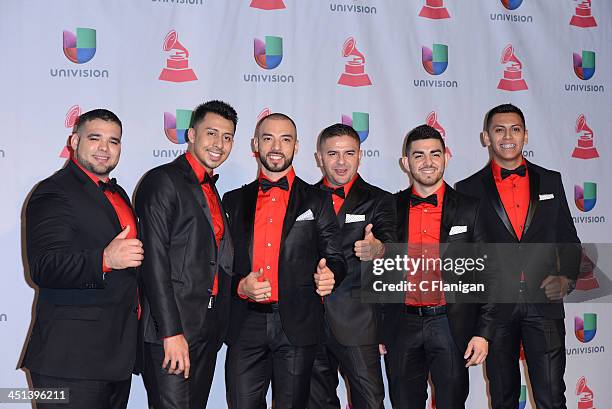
424, 231
269, 244
274, 199
270, 220
267, 267
425, 210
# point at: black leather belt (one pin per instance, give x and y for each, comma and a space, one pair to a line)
425, 311
263, 308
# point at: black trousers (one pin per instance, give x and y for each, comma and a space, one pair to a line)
544, 344
262, 354
361, 366
166, 391
424, 346
83, 393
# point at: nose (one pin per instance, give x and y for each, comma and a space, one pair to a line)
276, 144
341, 159
218, 141
103, 145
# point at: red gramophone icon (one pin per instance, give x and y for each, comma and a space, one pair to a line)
513, 73
434, 9
268, 4
354, 70
72, 116
585, 395
582, 17
586, 278
177, 65
432, 120
585, 148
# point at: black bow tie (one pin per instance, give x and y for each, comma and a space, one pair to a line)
211, 180
110, 186
521, 171
339, 191
266, 184
417, 200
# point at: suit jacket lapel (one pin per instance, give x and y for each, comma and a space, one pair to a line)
449, 209
248, 215
534, 196
403, 211
295, 199
94, 191
352, 200
495, 199
194, 187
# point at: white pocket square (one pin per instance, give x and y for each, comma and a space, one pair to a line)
547, 196
352, 218
307, 215
457, 230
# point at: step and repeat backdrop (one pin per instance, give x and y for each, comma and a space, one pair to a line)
382, 66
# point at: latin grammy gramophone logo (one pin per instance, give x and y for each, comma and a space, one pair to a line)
80, 47
176, 126
354, 74
584, 394
513, 71
177, 64
434, 9
432, 120
360, 122
585, 148
71, 119
582, 16
267, 4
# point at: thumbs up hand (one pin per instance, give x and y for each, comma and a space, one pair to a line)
122, 252
324, 278
370, 247
253, 288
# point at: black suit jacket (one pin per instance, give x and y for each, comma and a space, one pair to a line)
181, 255
303, 244
351, 321
86, 322
548, 221
466, 319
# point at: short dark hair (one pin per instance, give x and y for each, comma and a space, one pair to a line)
220, 108
275, 115
337, 130
504, 109
422, 132
99, 113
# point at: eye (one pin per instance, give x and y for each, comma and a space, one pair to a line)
286, 140
436, 154
417, 156
516, 129
115, 141
331, 153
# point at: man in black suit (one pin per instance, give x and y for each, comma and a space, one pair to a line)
366, 215
428, 333
82, 249
187, 272
287, 257
524, 203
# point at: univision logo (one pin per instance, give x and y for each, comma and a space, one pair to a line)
176, 127
268, 54
523, 397
79, 48
360, 122
511, 17
585, 196
585, 328
584, 68
435, 59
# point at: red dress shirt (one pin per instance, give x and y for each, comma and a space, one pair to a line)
514, 194
337, 200
423, 240
269, 217
213, 206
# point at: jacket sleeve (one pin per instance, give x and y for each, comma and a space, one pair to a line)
55, 260
155, 205
569, 249
330, 238
384, 220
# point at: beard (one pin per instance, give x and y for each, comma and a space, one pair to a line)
96, 169
281, 167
